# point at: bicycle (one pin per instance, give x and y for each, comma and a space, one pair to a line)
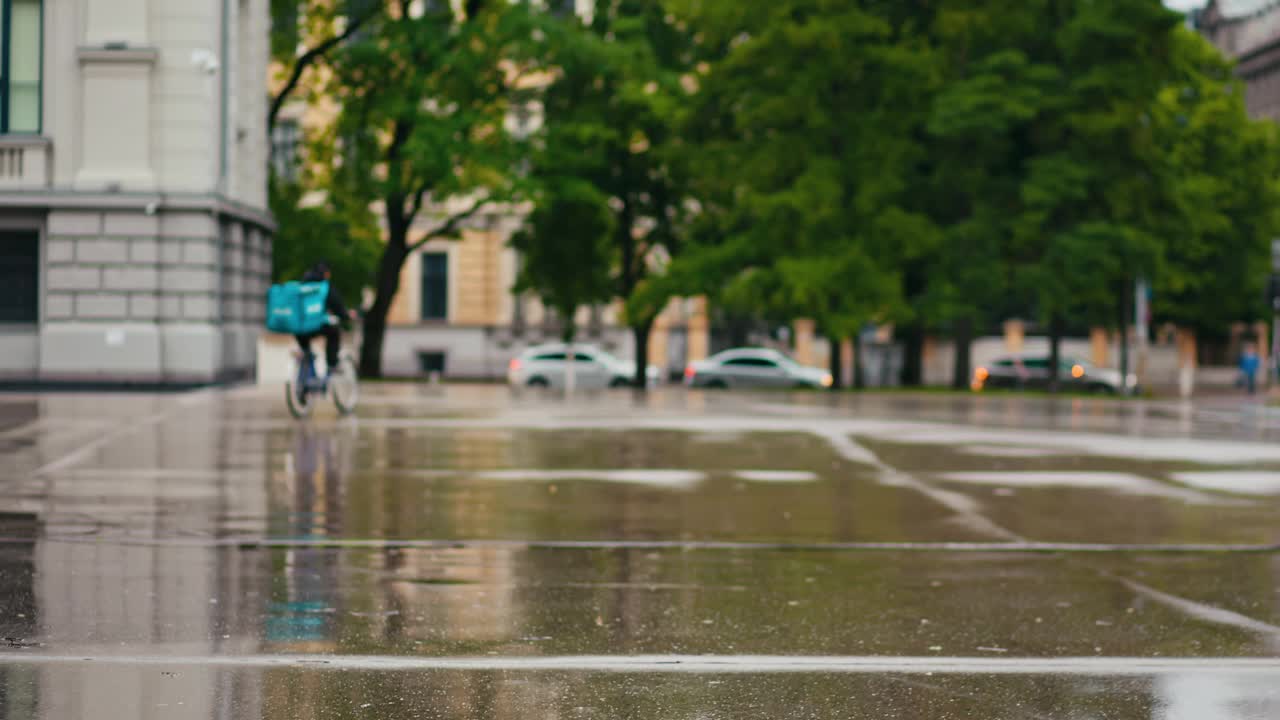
342, 383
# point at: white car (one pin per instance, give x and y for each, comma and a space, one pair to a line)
754, 368
545, 366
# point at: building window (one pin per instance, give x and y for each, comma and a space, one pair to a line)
431, 361
21, 29
19, 277
435, 286
285, 138
285, 35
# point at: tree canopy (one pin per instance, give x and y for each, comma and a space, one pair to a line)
940, 165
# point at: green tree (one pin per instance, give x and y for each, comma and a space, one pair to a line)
1222, 198
565, 248
1090, 188
988, 90
423, 92
611, 121
807, 133
308, 234
303, 34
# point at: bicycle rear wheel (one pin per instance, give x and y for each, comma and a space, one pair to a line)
300, 401
345, 386
299, 398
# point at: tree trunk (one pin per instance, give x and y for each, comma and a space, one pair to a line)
962, 371
1055, 352
375, 321
913, 355
640, 333
1126, 292
834, 363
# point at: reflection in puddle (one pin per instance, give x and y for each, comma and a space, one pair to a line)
1216, 696
1118, 482
657, 478
772, 476
1242, 482
1011, 451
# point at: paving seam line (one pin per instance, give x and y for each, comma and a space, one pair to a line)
256, 543
690, 664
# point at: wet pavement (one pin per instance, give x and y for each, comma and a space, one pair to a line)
467, 552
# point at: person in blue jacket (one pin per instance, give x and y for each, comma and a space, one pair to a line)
332, 333
1249, 362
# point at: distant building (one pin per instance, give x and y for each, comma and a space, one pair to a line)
134, 235
1249, 32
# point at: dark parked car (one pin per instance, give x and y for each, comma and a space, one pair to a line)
1032, 372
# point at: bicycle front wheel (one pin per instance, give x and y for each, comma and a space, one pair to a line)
345, 386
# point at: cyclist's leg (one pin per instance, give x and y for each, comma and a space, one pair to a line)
332, 346
304, 342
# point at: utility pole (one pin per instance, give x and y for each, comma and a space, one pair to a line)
1273, 295
1141, 317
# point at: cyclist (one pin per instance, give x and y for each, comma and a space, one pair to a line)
332, 332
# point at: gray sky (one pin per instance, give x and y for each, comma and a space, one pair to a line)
1184, 5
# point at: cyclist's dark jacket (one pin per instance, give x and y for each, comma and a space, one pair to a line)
333, 303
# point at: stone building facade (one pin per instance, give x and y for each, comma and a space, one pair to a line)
135, 243
1249, 32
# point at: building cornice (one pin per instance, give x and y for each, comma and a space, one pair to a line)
213, 203
1259, 59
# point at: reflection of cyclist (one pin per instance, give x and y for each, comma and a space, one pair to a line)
334, 306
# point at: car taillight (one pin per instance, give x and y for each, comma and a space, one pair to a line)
515, 364
689, 372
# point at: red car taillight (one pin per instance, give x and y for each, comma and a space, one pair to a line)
515, 364
689, 372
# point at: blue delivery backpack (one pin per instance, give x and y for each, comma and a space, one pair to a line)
297, 308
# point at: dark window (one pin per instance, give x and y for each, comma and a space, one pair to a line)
20, 277
1036, 363
435, 286
285, 138
431, 362
1004, 363
580, 357
752, 362
550, 357
284, 28
20, 70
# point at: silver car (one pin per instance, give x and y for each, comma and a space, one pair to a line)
754, 368
546, 366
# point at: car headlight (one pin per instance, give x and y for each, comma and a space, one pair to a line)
828, 381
